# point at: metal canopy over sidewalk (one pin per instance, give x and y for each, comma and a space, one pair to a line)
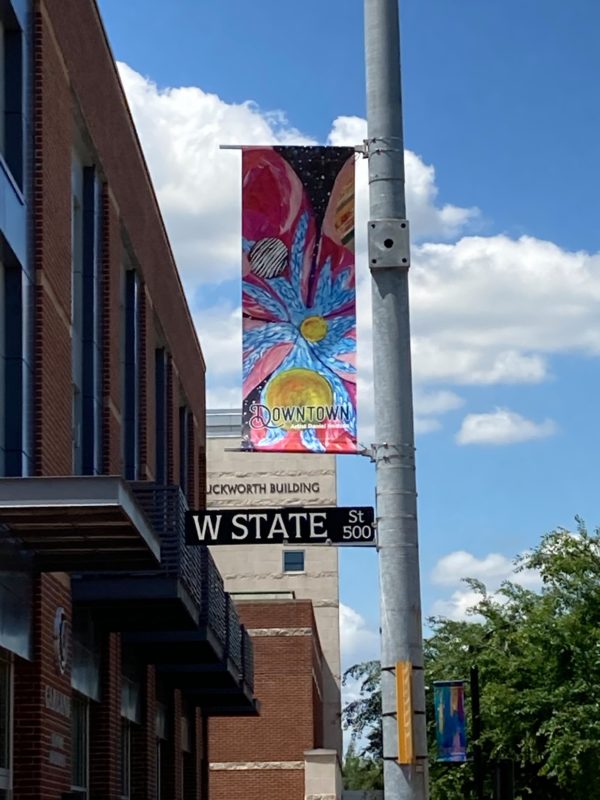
77, 523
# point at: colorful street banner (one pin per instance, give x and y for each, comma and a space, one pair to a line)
298, 299
450, 724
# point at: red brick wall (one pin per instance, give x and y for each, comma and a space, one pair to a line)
284, 683
105, 724
275, 784
52, 114
111, 337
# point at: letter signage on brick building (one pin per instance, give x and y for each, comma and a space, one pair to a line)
312, 525
298, 299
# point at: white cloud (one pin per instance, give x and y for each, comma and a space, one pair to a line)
427, 218
358, 642
492, 570
457, 606
452, 568
485, 310
197, 184
502, 426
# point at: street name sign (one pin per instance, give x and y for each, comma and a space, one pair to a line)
330, 525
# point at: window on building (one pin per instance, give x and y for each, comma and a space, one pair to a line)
2, 368
131, 382
185, 421
125, 761
161, 735
161, 407
293, 560
15, 368
77, 310
11, 92
131, 717
85, 316
80, 738
187, 759
6, 701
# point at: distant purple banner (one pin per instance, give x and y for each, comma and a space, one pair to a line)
450, 724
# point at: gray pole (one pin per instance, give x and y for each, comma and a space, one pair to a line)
389, 259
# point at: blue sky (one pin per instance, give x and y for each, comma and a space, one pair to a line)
501, 120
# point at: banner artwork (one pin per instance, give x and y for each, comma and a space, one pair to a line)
450, 723
298, 299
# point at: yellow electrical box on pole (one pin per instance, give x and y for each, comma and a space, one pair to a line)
404, 712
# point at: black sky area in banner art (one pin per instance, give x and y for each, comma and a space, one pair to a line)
317, 168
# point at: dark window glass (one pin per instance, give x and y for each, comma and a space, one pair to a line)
91, 401
160, 748
293, 561
11, 93
86, 318
132, 373
16, 404
80, 743
125, 759
184, 455
161, 415
5, 718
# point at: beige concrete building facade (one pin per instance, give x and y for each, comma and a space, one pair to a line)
273, 571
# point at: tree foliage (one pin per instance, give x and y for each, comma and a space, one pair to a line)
538, 654
363, 714
362, 772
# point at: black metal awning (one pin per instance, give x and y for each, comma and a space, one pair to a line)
77, 523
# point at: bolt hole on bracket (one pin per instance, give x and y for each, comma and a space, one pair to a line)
389, 244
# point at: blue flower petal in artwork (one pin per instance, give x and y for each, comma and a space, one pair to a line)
259, 341
298, 248
338, 366
331, 346
266, 300
273, 437
322, 299
339, 327
311, 441
291, 297
273, 333
341, 283
247, 245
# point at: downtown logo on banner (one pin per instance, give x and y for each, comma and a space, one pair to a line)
298, 299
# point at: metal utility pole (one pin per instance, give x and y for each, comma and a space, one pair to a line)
389, 260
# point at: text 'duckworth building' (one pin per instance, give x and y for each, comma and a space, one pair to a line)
118, 644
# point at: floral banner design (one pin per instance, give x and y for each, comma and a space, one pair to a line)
450, 723
298, 299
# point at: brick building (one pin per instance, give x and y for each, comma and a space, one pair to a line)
117, 644
288, 598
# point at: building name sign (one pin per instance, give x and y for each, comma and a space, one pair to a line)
329, 525
244, 488
57, 701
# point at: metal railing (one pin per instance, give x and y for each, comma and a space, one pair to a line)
234, 635
165, 507
248, 658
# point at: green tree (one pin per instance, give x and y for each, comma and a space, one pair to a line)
362, 715
362, 772
538, 655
